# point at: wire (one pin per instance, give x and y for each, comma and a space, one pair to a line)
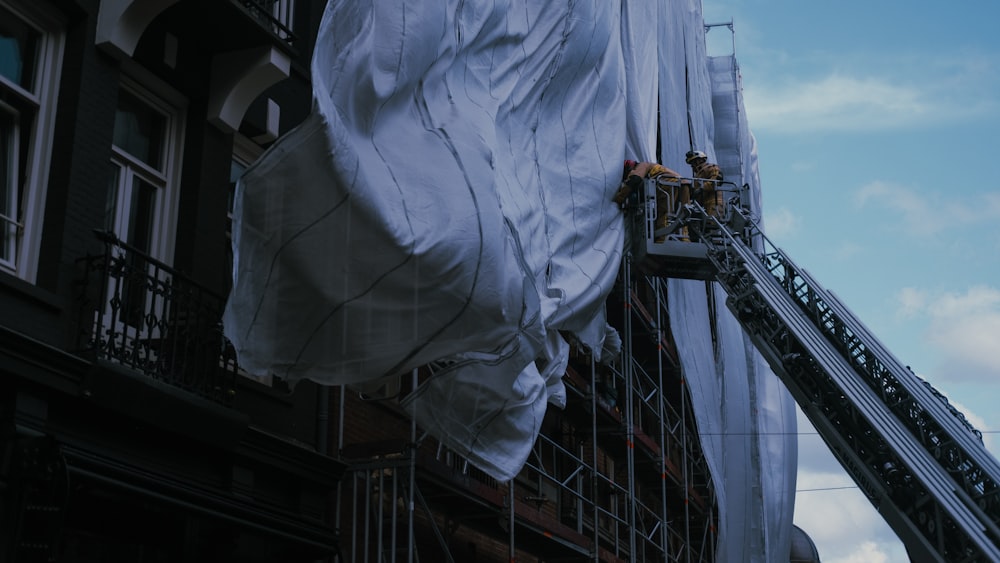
791, 433
758, 433
823, 489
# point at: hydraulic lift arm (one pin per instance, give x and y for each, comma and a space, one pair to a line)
915, 457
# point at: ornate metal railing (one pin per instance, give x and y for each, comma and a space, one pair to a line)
275, 15
140, 313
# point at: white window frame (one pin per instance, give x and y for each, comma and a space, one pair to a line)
166, 180
42, 97
10, 223
131, 169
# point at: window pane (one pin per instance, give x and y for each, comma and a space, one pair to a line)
18, 46
8, 190
140, 232
7, 160
111, 203
139, 130
140, 236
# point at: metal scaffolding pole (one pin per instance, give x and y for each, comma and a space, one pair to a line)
685, 469
629, 373
411, 548
340, 447
510, 527
661, 401
595, 473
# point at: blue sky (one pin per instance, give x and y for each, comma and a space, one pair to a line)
877, 124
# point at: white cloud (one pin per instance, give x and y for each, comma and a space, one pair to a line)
913, 211
841, 521
899, 97
972, 302
780, 222
867, 552
912, 301
836, 102
802, 166
847, 250
920, 213
963, 327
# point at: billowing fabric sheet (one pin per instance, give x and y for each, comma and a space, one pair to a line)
448, 203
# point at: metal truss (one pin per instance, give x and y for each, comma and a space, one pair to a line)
916, 458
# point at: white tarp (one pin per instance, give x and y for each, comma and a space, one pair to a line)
745, 416
774, 449
449, 203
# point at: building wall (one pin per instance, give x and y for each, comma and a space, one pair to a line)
192, 474
149, 424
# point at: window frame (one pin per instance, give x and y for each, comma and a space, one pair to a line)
167, 180
38, 158
11, 223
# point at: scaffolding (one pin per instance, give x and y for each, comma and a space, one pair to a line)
616, 476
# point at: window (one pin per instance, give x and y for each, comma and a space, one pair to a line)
30, 56
9, 156
141, 197
141, 190
137, 176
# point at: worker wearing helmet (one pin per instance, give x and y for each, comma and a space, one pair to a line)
668, 198
708, 193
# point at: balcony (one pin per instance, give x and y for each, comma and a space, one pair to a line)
140, 314
276, 16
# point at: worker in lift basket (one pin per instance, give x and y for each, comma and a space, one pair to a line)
707, 193
668, 198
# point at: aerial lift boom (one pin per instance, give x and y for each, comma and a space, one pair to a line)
914, 456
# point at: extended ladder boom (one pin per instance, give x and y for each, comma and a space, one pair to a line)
916, 458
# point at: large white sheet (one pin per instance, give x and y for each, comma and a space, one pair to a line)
745, 416
448, 202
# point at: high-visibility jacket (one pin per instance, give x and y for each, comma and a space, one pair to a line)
709, 195
668, 198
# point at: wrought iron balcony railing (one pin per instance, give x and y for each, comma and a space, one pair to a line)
275, 15
144, 315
